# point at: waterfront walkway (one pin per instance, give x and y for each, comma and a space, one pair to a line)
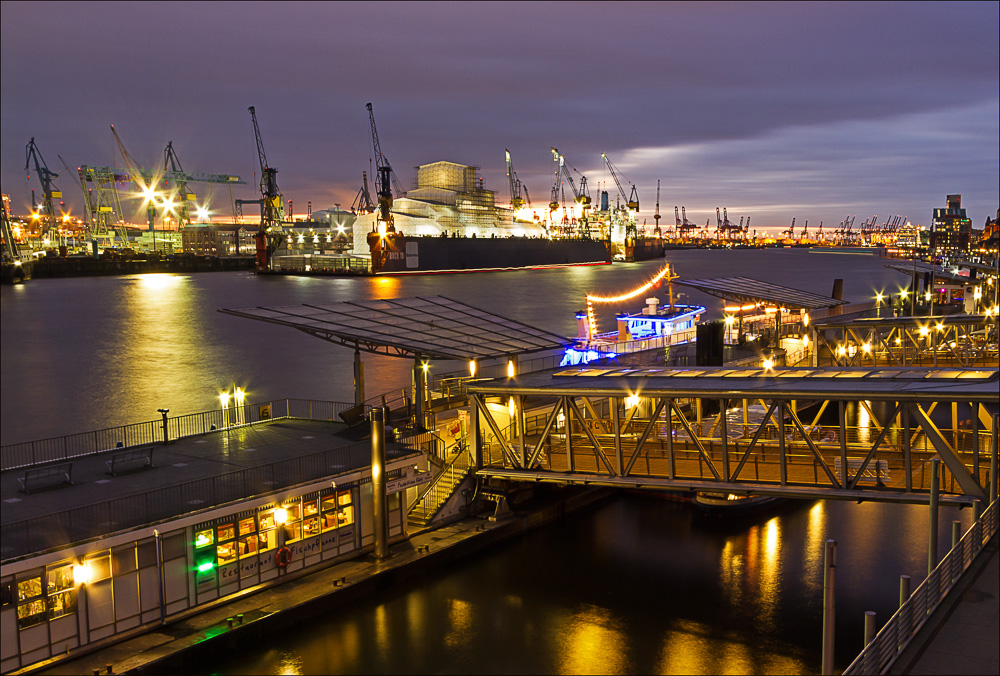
960, 637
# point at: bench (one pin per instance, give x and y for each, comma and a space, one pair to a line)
354, 415
877, 471
50, 476
134, 458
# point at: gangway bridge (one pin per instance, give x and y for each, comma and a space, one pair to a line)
847, 433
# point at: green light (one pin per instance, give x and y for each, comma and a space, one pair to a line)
205, 567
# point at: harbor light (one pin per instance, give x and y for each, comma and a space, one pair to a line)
768, 364
280, 515
924, 331
240, 396
903, 293
472, 368
866, 347
224, 398
632, 401
510, 368
512, 407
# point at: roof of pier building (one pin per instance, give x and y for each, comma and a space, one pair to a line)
432, 327
886, 384
747, 290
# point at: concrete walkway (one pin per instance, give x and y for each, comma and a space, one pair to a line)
961, 637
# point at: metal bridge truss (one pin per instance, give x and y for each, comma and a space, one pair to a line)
779, 445
957, 340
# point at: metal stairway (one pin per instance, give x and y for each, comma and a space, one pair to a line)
441, 489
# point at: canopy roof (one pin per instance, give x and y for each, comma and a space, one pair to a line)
745, 289
434, 327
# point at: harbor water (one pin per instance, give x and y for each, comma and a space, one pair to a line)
636, 584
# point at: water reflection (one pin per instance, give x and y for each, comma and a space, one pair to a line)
593, 643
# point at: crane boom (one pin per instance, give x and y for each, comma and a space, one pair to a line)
516, 201
49, 190
632, 200
268, 234
383, 178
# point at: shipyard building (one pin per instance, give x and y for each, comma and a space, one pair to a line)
449, 200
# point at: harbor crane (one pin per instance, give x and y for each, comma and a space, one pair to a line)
173, 165
268, 235
383, 180
557, 186
656, 214
632, 201
363, 200
581, 195
46, 211
677, 221
516, 201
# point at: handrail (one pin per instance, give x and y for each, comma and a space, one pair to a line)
897, 633
463, 452
40, 451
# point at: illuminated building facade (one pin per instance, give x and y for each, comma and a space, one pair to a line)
951, 230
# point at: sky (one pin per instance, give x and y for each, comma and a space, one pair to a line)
815, 111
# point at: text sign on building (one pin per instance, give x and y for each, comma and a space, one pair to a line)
407, 481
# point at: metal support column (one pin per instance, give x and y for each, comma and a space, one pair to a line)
477, 435
932, 553
724, 435
829, 603
380, 515
671, 467
842, 412
359, 378
419, 389
994, 451
616, 421
782, 460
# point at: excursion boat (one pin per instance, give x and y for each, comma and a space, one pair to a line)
655, 326
728, 503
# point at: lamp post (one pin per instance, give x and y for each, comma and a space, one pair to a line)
164, 412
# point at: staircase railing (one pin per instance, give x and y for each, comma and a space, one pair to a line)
455, 468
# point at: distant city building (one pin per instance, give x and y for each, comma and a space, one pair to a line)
206, 239
951, 230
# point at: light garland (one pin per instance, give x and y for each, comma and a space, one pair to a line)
635, 292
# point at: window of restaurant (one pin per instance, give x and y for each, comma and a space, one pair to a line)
225, 550
293, 520
337, 508
46, 596
247, 542
267, 535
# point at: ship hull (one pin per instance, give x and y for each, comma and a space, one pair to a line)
403, 254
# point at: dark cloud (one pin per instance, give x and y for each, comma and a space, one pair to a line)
462, 81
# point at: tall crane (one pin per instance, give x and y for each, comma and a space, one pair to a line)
557, 186
656, 214
271, 208
47, 213
383, 180
516, 201
184, 194
632, 201
363, 200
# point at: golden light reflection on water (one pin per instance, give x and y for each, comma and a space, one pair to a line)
460, 617
594, 643
690, 649
382, 629
731, 571
769, 577
290, 665
812, 552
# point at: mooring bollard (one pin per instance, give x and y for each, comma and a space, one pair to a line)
829, 587
904, 618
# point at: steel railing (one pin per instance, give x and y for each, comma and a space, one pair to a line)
140, 509
29, 453
894, 637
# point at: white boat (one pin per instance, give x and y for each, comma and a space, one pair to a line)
655, 326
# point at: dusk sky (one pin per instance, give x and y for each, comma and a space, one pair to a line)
815, 111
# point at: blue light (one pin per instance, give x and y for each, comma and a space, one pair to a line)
573, 357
